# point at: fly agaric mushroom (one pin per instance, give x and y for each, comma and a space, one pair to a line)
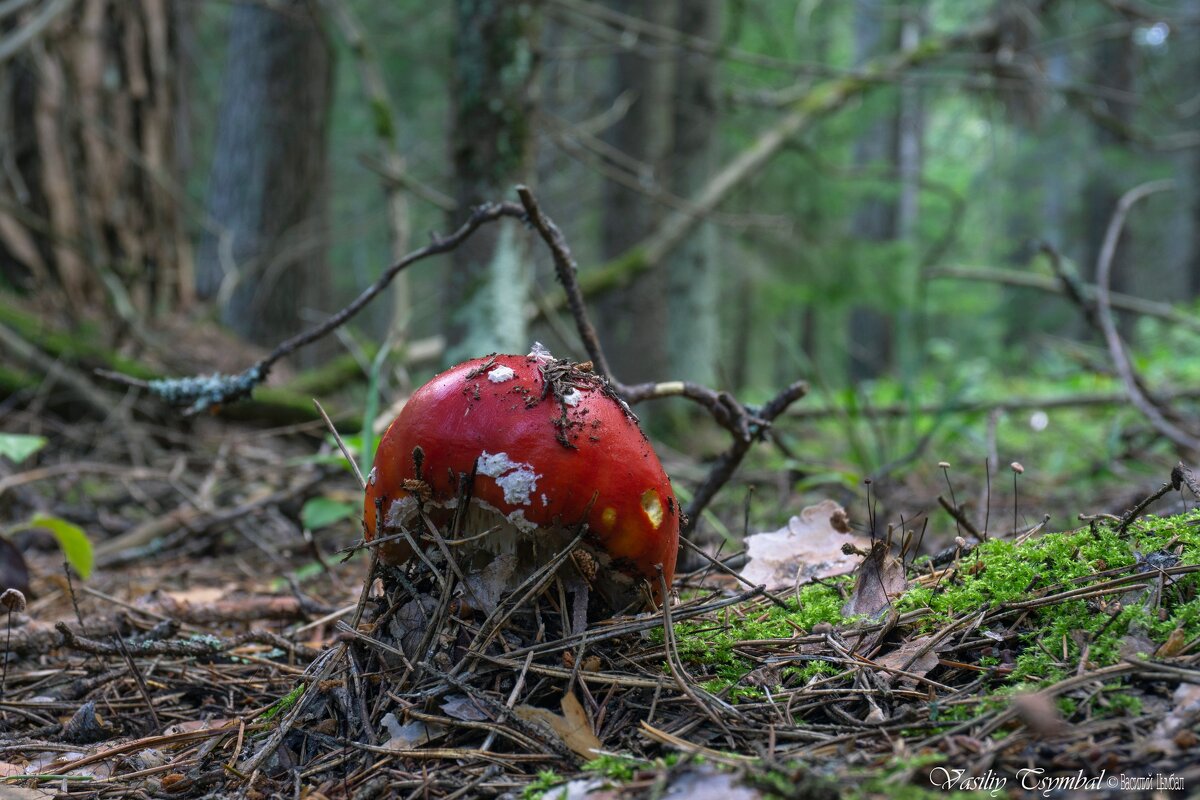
550, 447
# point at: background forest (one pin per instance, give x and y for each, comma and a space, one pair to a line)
908, 288
903, 203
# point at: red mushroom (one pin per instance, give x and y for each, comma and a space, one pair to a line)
550, 448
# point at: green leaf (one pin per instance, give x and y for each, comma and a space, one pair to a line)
322, 511
75, 544
17, 447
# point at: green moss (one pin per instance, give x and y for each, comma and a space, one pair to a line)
384, 127
546, 780
1051, 639
1058, 562
283, 704
714, 645
614, 766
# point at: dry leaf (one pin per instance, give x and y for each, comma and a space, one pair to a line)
1039, 713
879, 578
572, 727
462, 707
410, 735
10, 792
1173, 646
191, 725
810, 546
909, 658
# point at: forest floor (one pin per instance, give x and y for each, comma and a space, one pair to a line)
224, 646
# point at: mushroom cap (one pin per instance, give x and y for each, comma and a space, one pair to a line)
549, 445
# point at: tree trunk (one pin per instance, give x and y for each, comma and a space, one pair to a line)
495, 67
92, 114
634, 317
874, 221
909, 157
1190, 163
1114, 66
694, 335
883, 340
264, 255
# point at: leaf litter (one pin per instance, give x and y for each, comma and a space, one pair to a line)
200, 687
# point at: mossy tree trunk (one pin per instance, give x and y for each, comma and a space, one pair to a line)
94, 122
495, 66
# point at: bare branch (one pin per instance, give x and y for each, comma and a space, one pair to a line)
26, 33
205, 392
1042, 283
1116, 347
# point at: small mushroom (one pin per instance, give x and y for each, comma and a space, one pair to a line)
541, 447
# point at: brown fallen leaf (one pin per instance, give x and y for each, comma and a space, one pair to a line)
1039, 713
1174, 644
808, 547
879, 578
909, 658
572, 726
9, 792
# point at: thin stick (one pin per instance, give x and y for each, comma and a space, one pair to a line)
723, 567
677, 671
139, 681
362, 484
987, 510
945, 465
1116, 347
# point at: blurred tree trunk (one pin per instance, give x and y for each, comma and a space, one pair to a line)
94, 114
495, 71
694, 269
883, 340
909, 157
633, 318
264, 254
874, 221
1190, 161
1114, 66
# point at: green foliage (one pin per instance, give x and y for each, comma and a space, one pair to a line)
321, 512
72, 540
715, 646
1054, 635
1057, 562
283, 704
17, 447
546, 780
614, 766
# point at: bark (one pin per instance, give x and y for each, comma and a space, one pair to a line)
635, 314
495, 70
1190, 263
264, 255
91, 112
693, 270
883, 338
386, 120
1114, 65
874, 221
